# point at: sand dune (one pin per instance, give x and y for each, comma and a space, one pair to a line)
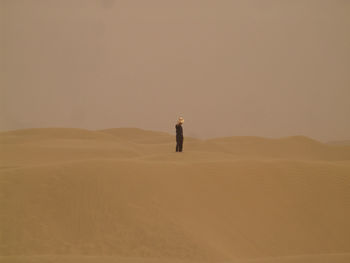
124, 195
344, 143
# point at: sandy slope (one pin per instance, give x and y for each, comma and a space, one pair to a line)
123, 195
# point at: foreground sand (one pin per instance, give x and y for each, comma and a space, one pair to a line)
124, 195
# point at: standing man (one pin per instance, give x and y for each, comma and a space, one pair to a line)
179, 134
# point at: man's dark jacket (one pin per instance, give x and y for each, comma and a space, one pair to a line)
179, 133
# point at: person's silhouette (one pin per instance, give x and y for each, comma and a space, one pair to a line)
179, 134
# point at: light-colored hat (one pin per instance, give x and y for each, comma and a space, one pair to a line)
181, 120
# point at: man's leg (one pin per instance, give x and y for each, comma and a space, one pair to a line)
177, 144
181, 143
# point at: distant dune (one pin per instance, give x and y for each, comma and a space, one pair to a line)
344, 143
124, 195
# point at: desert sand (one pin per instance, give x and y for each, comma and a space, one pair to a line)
124, 195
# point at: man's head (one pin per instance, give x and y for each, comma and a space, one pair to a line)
181, 120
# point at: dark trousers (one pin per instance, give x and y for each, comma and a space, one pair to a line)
179, 143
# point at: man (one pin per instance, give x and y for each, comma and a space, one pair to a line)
179, 134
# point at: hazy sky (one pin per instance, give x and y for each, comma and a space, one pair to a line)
250, 67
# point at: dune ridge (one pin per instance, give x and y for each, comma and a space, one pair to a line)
124, 195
